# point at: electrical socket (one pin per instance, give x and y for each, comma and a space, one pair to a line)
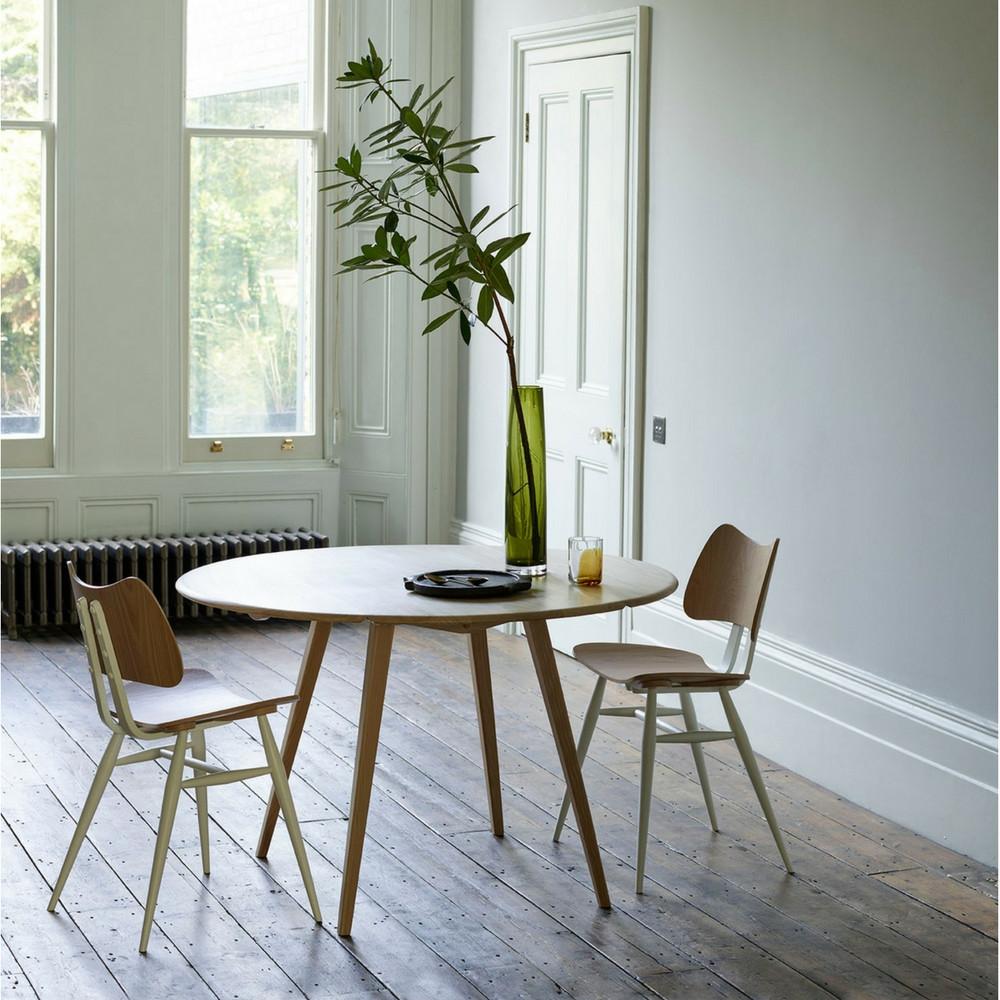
660, 430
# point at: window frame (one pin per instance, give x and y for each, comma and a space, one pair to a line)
22, 451
197, 449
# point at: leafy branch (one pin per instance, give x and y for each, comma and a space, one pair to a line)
426, 157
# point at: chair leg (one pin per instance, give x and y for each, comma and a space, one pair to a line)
171, 793
284, 797
645, 786
586, 733
100, 782
750, 763
199, 752
691, 724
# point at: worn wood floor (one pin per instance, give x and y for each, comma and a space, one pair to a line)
445, 909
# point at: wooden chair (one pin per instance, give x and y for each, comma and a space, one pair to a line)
131, 649
728, 583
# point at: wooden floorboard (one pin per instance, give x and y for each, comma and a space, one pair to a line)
445, 909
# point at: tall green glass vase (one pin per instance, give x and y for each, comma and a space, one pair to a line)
525, 508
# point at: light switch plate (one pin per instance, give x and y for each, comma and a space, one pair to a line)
660, 430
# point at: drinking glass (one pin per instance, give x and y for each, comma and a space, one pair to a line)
586, 560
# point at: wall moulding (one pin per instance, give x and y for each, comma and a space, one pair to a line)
862, 736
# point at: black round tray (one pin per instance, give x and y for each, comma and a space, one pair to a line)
457, 583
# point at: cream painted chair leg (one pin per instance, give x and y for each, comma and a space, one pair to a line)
750, 762
645, 786
586, 734
100, 782
199, 752
284, 796
691, 724
171, 793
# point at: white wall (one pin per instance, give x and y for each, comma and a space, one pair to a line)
821, 326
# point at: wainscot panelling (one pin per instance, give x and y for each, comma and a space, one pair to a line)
923, 763
181, 503
395, 428
28, 520
464, 533
204, 513
135, 516
368, 519
373, 508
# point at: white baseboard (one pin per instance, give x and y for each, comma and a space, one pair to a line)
921, 762
465, 533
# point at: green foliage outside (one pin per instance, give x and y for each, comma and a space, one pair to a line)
250, 206
20, 211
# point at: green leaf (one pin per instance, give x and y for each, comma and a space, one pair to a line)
415, 96
478, 217
464, 328
462, 168
391, 221
470, 142
412, 120
434, 114
497, 277
434, 256
495, 220
432, 291
484, 307
376, 61
439, 321
439, 90
510, 245
380, 239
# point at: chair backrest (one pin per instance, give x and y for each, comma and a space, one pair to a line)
730, 579
144, 643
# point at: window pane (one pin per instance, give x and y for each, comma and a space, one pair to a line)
22, 386
21, 29
250, 341
248, 63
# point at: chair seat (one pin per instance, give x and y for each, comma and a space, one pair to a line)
199, 697
640, 667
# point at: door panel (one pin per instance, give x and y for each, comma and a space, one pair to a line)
572, 303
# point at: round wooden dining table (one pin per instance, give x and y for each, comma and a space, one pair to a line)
365, 584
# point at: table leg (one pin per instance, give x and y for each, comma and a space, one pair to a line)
552, 694
369, 721
479, 657
312, 659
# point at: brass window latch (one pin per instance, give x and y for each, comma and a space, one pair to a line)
288, 444
215, 446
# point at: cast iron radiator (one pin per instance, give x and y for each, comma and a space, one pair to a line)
35, 584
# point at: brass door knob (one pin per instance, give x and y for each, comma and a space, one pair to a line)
601, 434
215, 446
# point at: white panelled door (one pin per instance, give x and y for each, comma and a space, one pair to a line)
574, 202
